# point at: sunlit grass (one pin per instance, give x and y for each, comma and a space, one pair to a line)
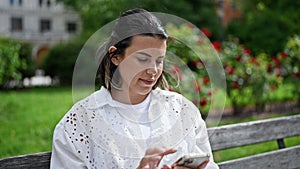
28, 118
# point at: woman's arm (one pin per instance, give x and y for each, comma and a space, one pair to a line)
64, 154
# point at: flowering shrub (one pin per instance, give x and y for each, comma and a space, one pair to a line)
187, 73
249, 78
291, 63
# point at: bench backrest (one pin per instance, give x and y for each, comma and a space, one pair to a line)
223, 137
241, 134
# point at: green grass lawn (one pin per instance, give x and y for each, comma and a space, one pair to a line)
28, 118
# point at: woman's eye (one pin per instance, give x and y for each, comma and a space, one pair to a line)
142, 59
159, 61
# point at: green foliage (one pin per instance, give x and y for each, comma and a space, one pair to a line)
265, 25
292, 65
15, 60
96, 13
60, 60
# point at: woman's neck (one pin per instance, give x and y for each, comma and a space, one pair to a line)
126, 97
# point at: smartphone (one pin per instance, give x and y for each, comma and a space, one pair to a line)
192, 160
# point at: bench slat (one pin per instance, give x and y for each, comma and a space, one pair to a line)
31, 161
236, 135
283, 158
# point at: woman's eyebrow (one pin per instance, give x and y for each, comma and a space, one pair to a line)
147, 54
144, 53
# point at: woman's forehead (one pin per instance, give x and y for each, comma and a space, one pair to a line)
147, 44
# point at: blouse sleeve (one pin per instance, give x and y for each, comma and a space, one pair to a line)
63, 151
202, 142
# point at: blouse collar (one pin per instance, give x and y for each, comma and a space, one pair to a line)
103, 97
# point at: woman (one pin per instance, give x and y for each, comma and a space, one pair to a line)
130, 122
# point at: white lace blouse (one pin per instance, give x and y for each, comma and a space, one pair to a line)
98, 133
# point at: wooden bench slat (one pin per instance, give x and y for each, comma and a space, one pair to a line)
283, 158
31, 161
236, 135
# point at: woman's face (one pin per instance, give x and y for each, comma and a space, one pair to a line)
142, 64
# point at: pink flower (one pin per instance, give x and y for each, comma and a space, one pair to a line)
176, 71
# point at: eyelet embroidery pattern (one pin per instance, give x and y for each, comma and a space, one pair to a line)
103, 139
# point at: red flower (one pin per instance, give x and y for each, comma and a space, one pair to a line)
272, 88
276, 61
246, 50
270, 68
235, 85
254, 61
297, 74
197, 86
283, 55
205, 80
203, 102
217, 45
206, 32
229, 69
239, 57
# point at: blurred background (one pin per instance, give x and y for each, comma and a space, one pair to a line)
258, 42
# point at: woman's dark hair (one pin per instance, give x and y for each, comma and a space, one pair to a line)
130, 23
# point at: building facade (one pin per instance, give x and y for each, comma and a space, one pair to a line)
43, 23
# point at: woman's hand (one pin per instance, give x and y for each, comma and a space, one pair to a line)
153, 156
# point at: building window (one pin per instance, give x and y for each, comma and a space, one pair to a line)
16, 24
40, 3
71, 27
45, 25
11, 2
48, 3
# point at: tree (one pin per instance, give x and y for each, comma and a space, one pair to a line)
96, 13
15, 61
266, 25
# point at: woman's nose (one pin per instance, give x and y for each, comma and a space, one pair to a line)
152, 69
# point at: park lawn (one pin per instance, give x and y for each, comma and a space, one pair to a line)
28, 118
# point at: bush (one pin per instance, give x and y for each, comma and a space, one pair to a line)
60, 60
15, 61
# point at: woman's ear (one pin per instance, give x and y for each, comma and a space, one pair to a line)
112, 49
114, 58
